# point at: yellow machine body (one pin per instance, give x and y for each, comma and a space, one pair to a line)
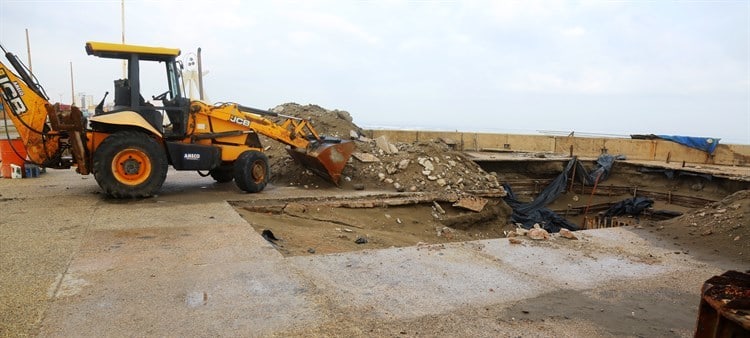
129, 146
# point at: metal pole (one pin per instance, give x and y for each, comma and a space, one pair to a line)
28, 50
200, 75
122, 21
72, 89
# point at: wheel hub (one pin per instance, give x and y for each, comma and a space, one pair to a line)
131, 166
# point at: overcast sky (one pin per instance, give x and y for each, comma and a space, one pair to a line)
662, 67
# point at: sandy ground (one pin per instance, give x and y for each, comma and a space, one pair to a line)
187, 263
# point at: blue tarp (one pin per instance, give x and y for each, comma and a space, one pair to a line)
707, 144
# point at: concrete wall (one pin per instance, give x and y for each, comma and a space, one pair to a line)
646, 150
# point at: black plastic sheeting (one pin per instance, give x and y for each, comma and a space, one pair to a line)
603, 167
632, 206
527, 214
535, 212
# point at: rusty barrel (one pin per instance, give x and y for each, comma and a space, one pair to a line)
725, 306
326, 158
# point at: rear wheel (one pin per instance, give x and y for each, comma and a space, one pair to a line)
223, 173
251, 171
130, 164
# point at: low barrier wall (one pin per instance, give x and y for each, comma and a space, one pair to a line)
645, 150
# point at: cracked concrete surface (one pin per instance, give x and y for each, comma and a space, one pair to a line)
186, 264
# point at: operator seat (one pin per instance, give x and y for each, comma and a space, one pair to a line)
145, 109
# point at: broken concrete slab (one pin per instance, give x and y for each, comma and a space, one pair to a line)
565, 233
365, 157
383, 144
393, 149
470, 202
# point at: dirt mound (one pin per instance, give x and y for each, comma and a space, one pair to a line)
721, 228
378, 164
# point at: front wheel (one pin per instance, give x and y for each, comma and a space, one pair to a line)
251, 171
130, 164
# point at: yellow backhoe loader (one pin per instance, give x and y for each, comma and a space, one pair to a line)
129, 147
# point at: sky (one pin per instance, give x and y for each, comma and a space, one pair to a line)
597, 67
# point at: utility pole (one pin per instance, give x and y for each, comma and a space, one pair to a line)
122, 20
72, 89
28, 50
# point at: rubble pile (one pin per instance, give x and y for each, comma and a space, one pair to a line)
727, 218
720, 228
378, 163
420, 166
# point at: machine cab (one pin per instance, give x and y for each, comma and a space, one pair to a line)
128, 95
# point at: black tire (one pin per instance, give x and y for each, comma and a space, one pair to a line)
130, 164
251, 171
223, 173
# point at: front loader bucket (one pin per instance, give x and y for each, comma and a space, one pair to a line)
327, 159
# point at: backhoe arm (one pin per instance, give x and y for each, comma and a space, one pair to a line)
294, 132
37, 121
28, 111
325, 156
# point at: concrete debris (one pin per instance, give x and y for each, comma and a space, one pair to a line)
403, 164
444, 232
537, 233
426, 163
344, 115
472, 203
567, 234
437, 158
365, 157
438, 208
392, 148
364, 139
514, 240
383, 145
391, 169
449, 141
294, 208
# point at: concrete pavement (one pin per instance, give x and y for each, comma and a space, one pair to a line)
186, 264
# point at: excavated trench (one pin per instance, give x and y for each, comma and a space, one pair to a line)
300, 226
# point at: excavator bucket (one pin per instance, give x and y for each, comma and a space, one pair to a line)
327, 159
